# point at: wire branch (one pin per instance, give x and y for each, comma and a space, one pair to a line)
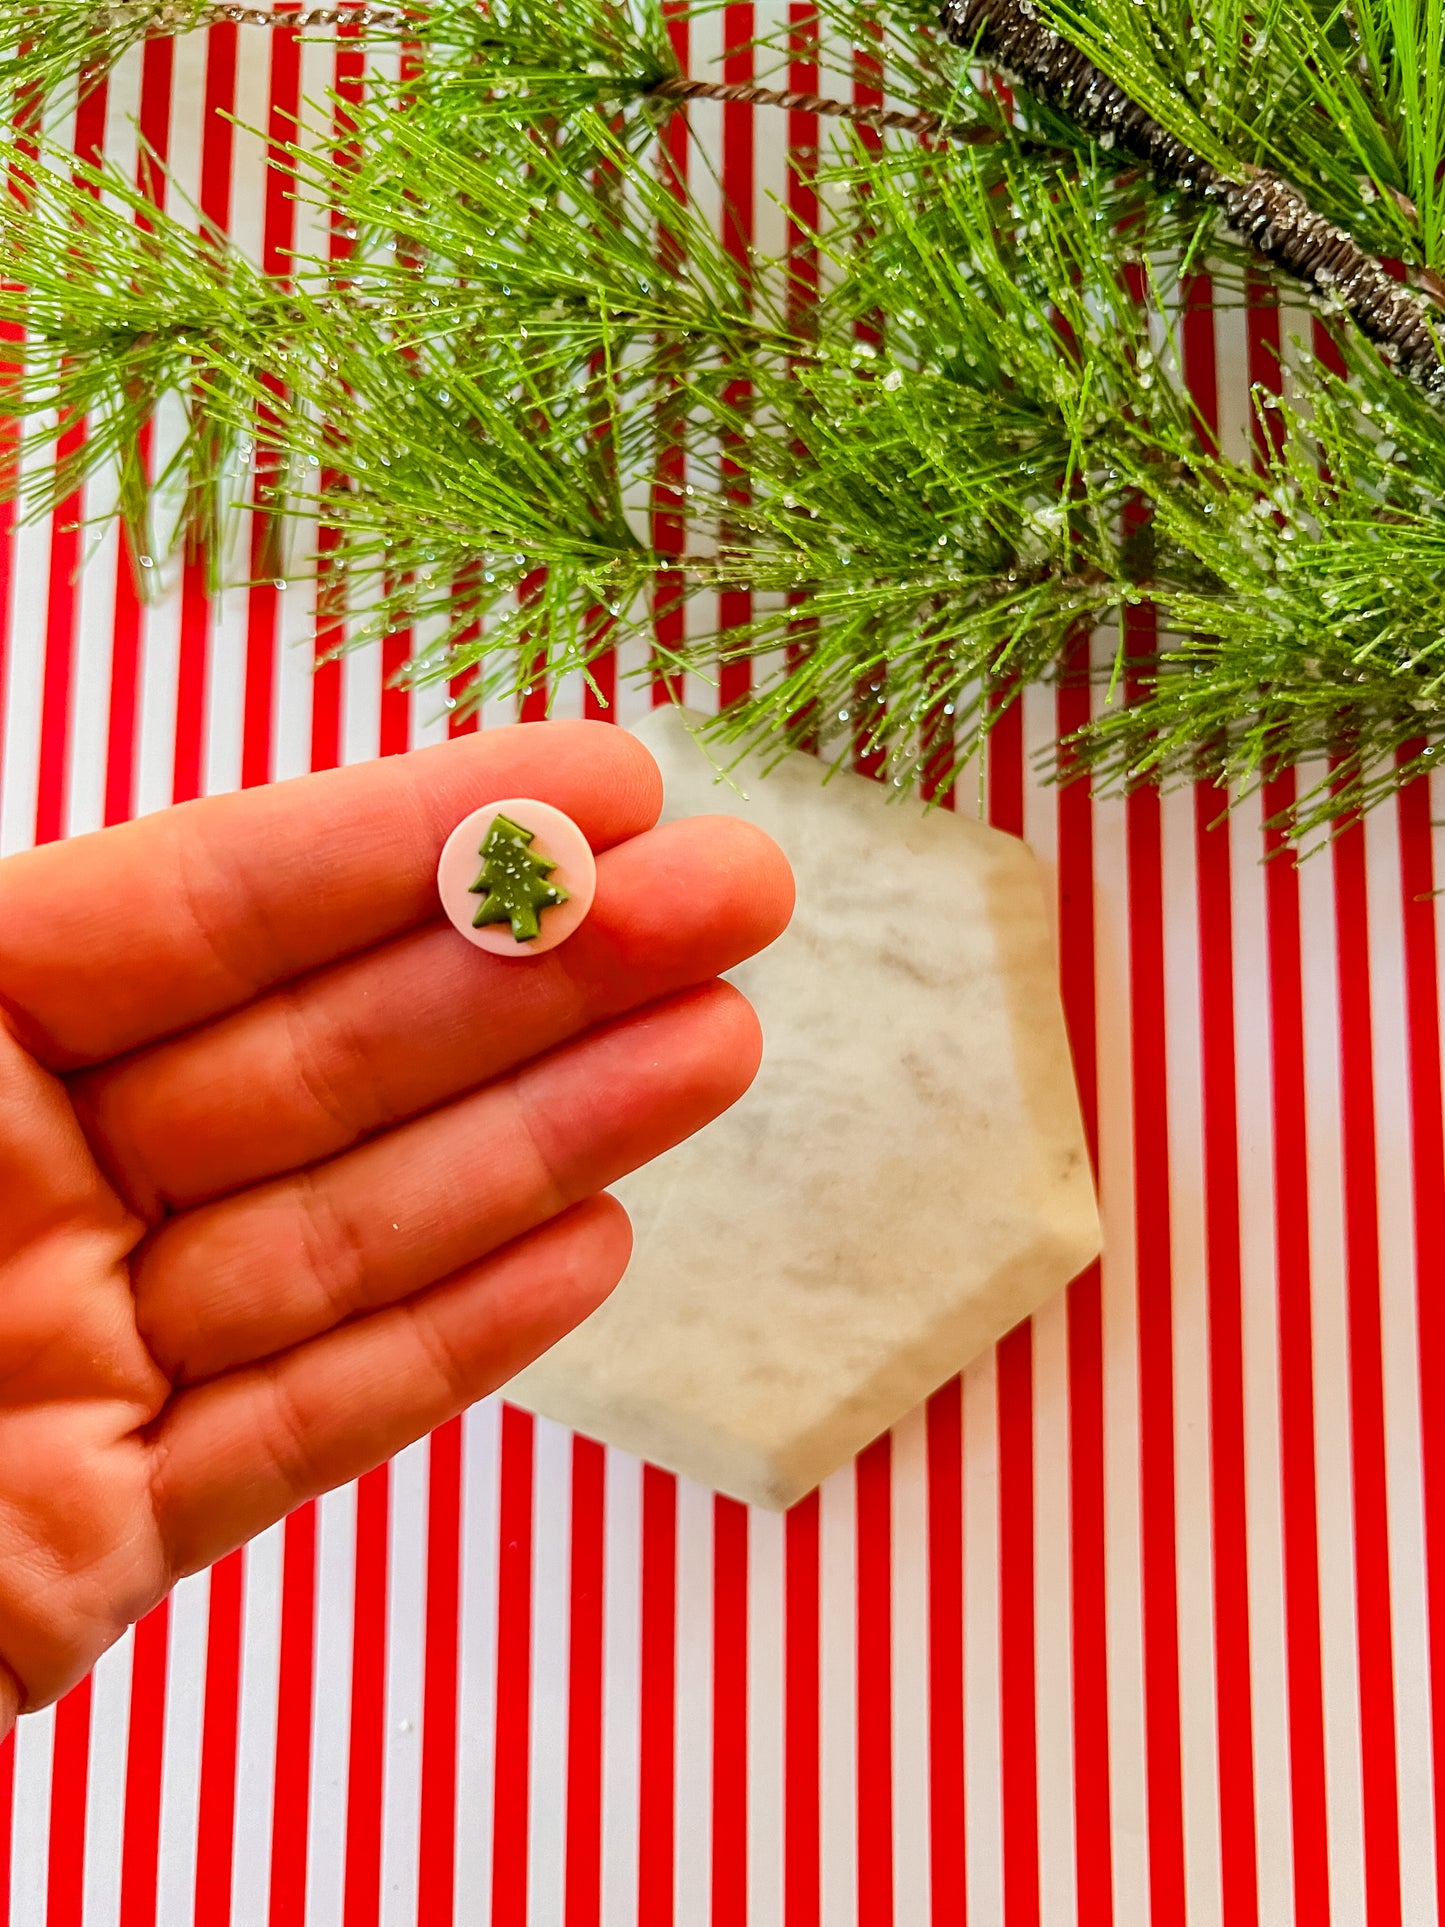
927, 126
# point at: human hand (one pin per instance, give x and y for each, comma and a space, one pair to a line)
289, 1173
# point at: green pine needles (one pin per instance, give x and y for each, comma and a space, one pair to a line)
533, 396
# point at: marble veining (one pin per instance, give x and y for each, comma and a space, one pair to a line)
906, 1179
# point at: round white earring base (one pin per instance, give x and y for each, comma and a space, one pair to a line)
557, 837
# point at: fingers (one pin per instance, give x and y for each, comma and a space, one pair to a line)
241, 1279
11, 1700
313, 1068
111, 940
234, 1455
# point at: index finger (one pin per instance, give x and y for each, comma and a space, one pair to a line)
114, 939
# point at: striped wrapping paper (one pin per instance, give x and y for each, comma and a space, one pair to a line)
1142, 1621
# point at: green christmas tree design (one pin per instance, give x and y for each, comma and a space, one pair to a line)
514, 879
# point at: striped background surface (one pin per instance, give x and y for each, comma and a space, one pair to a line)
1142, 1620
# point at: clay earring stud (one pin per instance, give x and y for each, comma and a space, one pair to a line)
516, 877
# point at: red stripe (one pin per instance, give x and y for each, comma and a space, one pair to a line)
326, 678
1149, 1078
70, 1761
802, 210
1427, 1145
436, 1900
295, 1690
215, 204
1380, 1787
128, 617
1093, 1851
1235, 1717
802, 1820
1367, 1389
735, 606
1234, 1707
59, 654
1297, 1419
585, 1671
874, 1474
669, 617
945, 1658
156, 92
361, 1906
1016, 1630
395, 734
123, 718
1017, 1708
1296, 1363
657, 1799
7, 1815
514, 1672
60, 611
263, 606
9, 451
216, 1821
191, 678
349, 76
141, 1845
599, 702
65, 557
218, 142
730, 1715
802, 201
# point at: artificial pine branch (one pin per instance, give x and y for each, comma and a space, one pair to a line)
971, 440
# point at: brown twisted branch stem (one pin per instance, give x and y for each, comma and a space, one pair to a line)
926, 126
1270, 215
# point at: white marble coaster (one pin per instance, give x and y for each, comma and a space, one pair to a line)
906, 1180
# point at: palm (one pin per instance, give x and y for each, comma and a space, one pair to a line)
289, 1173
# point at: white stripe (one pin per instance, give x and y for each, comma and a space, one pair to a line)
633, 699
429, 714
1122, 1547
188, 97
1053, 1612
909, 1628
405, 1644
1400, 1352
693, 1752
160, 636
551, 1628
1193, 1458
256, 1728
1053, 1576
181, 1765
225, 689
294, 682
25, 682
245, 226
838, 1709
1334, 1485
621, 1655
105, 1783
34, 1744
477, 1651
982, 1695
361, 704
765, 1786
331, 1707
91, 668
1254, 1085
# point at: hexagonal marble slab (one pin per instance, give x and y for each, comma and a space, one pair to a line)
906, 1180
